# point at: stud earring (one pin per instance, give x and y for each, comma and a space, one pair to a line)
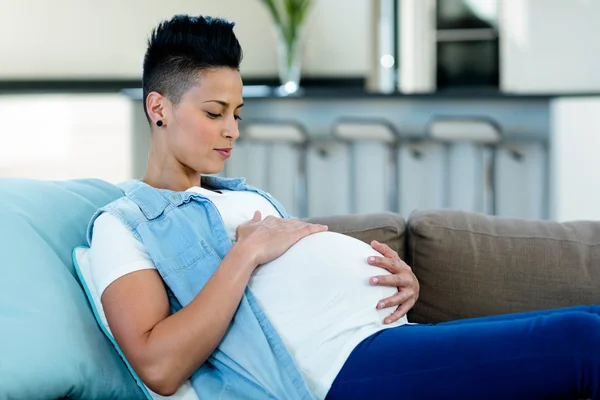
159, 123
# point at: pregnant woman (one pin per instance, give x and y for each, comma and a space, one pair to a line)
213, 292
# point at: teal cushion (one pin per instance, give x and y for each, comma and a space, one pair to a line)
81, 262
50, 343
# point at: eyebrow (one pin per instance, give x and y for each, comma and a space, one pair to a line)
223, 103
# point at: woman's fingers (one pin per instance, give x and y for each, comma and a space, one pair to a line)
308, 229
395, 280
396, 300
305, 228
314, 228
400, 312
385, 250
391, 264
386, 263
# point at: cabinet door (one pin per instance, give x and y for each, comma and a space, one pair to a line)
328, 179
464, 177
420, 176
370, 183
549, 46
453, 176
521, 180
283, 176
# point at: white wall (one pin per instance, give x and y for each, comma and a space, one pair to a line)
41, 39
575, 158
550, 45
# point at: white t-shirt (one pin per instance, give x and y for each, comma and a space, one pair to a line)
316, 295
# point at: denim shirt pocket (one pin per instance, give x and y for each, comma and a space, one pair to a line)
187, 272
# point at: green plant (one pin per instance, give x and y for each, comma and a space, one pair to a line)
288, 16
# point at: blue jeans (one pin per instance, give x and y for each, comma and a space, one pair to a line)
534, 355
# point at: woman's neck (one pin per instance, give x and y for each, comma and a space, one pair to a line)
168, 173
166, 182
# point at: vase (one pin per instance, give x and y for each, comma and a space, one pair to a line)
289, 59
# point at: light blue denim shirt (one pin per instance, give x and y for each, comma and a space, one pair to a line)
186, 238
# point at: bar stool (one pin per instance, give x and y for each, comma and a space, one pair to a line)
356, 130
272, 133
486, 135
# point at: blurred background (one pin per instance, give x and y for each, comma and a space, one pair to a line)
388, 105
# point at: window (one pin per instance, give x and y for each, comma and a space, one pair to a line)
62, 136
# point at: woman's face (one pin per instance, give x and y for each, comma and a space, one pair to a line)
204, 126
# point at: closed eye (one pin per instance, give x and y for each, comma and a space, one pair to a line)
237, 117
211, 115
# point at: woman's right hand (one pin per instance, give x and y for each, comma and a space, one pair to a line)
269, 238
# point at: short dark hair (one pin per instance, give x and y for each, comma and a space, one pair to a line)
181, 47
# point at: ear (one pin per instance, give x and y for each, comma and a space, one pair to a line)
156, 105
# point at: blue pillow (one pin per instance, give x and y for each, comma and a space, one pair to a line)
82, 267
50, 343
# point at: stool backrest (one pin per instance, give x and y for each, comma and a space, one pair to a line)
477, 130
274, 132
351, 130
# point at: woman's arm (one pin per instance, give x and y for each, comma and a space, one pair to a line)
164, 349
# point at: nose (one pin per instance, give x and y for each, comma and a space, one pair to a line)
231, 131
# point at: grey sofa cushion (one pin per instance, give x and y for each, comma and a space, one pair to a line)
386, 228
472, 265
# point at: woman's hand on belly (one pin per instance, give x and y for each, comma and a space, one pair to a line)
401, 277
267, 239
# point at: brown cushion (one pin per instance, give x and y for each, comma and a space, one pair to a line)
386, 228
472, 265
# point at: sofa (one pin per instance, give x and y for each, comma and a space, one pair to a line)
468, 265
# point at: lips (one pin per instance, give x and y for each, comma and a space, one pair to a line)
225, 153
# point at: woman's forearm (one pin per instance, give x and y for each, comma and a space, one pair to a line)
181, 343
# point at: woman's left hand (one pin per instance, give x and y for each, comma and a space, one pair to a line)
401, 277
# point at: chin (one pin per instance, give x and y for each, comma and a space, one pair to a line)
212, 169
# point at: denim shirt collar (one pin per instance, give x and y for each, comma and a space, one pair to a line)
153, 202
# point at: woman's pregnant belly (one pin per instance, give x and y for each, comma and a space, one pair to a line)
319, 299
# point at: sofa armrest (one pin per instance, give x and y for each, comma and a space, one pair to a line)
472, 265
388, 228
